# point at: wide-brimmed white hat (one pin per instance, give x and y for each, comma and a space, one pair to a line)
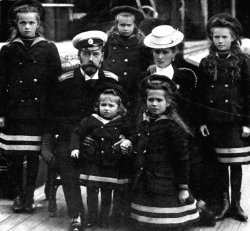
163, 36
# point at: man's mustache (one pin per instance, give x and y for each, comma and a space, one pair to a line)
89, 65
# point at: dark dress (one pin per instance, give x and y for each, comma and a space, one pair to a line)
226, 108
28, 76
162, 152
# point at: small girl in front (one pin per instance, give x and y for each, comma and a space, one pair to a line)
161, 197
105, 163
224, 90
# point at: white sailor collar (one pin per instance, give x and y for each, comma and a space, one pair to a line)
36, 40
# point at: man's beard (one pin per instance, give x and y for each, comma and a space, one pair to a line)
89, 68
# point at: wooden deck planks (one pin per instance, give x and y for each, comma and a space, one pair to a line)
40, 220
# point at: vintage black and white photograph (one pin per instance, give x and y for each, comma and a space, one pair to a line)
124, 115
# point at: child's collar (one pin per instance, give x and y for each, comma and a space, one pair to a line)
36, 40
147, 117
105, 121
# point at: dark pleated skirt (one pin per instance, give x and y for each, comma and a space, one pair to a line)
230, 147
160, 211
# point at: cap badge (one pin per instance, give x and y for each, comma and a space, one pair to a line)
90, 41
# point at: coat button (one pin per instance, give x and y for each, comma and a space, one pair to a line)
34, 80
226, 85
102, 152
113, 60
125, 73
226, 101
21, 81
102, 139
125, 60
35, 98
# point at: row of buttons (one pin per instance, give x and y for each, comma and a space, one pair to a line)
34, 61
34, 80
212, 86
125, 60
116, 48
212, 101
35, 99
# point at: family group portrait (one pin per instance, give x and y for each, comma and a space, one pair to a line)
124, 115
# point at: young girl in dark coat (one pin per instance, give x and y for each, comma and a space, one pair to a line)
29, 67
224, 91
105, 163
161, 197
125, 54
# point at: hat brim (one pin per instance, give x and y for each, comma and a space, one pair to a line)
148, 41
118, 9
112, 85
155, 77
33, 3
87, 35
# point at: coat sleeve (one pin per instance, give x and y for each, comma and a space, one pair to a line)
200, 95
3, 79
245, 78
79, 133
54, 65
179, 141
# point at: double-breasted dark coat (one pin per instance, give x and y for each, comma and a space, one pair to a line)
28, 76
225, 105
27, 79
225, 99
101, 160
162, 152
127, 58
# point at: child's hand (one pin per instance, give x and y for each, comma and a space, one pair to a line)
204, 130
2, 122
126, 145
75, 153
152, 69
116, 145
245, 131
183, 195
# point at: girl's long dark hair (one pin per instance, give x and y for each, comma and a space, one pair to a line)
170, 95
233, 64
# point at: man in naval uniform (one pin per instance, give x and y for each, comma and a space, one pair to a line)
74, 100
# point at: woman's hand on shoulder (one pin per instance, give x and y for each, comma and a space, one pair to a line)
152, 69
